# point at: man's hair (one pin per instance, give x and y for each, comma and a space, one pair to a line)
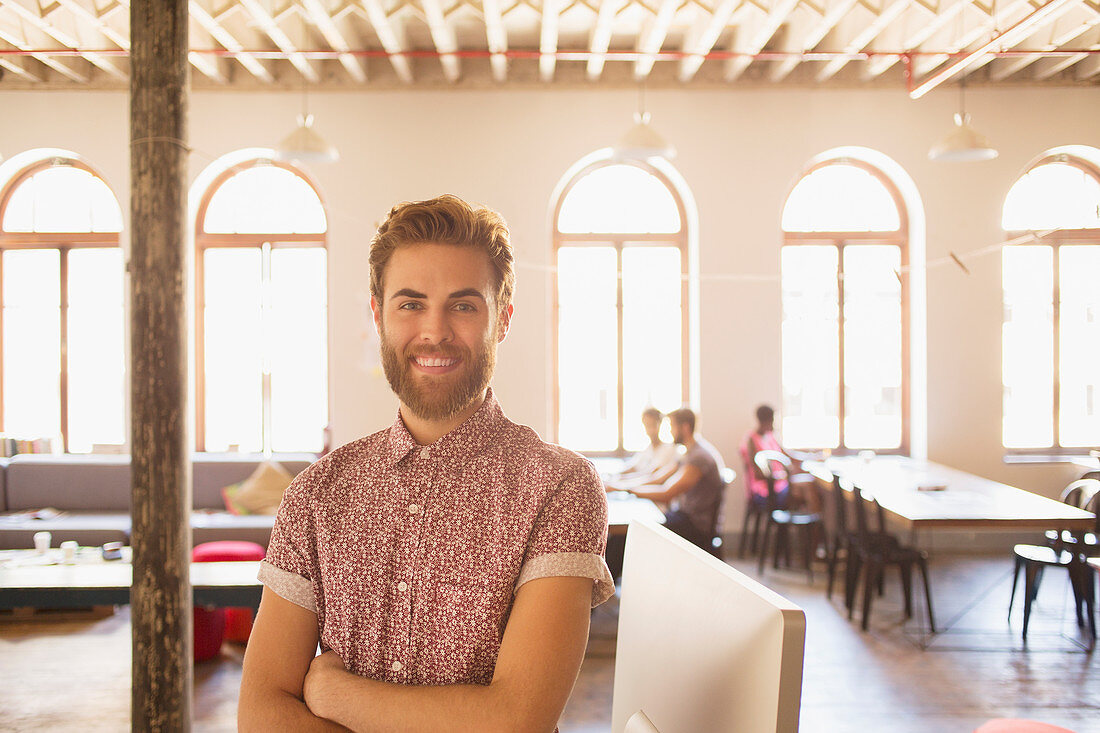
653, 413
765, 413
446, 219
684, 416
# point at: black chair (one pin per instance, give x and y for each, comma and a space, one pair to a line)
808, 523
1078, 494
872, 552
1064, 550
715, 546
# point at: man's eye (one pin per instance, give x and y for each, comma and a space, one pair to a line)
409, 306
465, 307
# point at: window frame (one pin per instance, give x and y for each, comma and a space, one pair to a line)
205, 240
64, 242
899, 238
620, 241
1056, 240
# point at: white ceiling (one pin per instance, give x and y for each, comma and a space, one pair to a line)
914, 44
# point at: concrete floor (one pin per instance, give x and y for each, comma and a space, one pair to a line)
74, 675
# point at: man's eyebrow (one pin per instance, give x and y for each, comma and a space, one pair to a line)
408, 293
467, 293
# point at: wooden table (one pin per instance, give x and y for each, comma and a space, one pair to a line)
923, 494
83, 584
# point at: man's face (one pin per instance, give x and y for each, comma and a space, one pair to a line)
680, 431
439, 327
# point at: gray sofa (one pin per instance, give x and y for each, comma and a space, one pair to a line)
92, 494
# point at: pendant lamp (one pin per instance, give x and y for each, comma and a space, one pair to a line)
641, 141
963, 143
304, 144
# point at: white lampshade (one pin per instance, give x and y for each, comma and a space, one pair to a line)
641, 141
304, 144
963, 143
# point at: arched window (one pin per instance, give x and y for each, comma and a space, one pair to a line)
1051, 332
261, 321
845, 300
62, 324
621, 309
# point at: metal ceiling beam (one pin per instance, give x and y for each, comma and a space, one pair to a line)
887, 16
548, 38
937, 23
18, 70
333, 37
760, 37
43, 59
1003, 16
1088, 68
496, 37
443, 36
218, 32
61, 37
651, 41
1004, 68
267, 23
388, 37
983, 54
601, 36
828, 21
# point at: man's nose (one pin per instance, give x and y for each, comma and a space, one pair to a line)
435, 327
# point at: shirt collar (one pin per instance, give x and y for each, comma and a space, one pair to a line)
468, 438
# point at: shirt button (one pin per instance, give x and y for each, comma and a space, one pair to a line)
424, 452
402, 586
396, 666
413, 509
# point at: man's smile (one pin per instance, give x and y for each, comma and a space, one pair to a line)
435, 364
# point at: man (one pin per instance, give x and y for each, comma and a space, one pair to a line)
447, 564
655, 460
694, 488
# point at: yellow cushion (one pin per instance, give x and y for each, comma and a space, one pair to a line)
261, 492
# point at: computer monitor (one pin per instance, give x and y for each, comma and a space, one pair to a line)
702, 648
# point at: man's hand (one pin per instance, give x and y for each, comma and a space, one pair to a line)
319, 681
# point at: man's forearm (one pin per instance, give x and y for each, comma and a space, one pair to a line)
369, 706
280, 710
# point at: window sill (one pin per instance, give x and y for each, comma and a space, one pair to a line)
1080, 459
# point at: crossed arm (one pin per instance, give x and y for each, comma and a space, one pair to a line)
283, 686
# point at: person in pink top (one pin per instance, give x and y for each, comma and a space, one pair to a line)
763, 438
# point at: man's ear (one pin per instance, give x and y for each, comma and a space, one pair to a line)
504, 320
376, 311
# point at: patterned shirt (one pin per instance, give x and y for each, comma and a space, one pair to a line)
411, 555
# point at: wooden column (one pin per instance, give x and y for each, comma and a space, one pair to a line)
160, 598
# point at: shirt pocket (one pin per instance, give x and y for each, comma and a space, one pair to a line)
467, 625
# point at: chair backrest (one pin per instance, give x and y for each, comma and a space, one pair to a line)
860, 500
764, 460
1092, 504
1079, 492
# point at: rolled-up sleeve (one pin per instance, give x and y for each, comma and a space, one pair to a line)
290, 567
570, 534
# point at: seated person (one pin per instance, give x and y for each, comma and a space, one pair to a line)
693, 490
756, 485
656, 459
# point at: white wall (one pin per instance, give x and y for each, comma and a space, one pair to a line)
740, 151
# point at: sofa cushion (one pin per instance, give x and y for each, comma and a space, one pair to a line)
3, 484
69, 482
212, 472
260, 493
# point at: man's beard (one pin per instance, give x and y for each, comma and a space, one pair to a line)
439, 398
